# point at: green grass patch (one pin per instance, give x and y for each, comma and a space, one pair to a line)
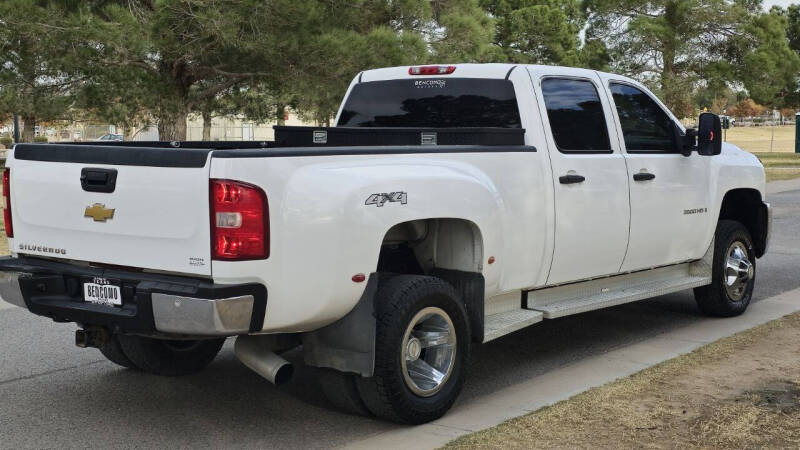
779, 159
774, 174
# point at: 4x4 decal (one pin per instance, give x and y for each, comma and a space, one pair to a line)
392, 197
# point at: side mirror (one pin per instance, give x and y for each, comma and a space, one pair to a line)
709, 135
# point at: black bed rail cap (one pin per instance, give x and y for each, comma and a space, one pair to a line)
213, 145
370, 150
113, 155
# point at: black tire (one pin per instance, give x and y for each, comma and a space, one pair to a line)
113, 352
471, 287
341, 390
169, 357
397, 302
714, 299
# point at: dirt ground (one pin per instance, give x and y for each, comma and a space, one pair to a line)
761, 139
739, 392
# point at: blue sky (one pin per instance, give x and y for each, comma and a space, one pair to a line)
784, 3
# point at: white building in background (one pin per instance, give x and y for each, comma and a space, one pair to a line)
222, 129
237, 129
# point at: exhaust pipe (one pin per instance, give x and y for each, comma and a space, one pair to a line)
256, 353
91, 337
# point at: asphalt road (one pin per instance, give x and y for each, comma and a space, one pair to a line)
53, 394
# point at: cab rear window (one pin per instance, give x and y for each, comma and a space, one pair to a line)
432, 102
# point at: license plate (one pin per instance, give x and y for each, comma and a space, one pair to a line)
101, 291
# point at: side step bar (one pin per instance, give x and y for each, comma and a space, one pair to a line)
513, 311
614, 298
503, 323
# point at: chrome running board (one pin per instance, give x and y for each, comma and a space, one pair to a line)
515, 310
503, 323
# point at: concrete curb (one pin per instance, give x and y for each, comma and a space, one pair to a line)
776, 187
4, 305
564, 382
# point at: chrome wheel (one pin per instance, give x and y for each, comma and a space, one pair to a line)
428, 351
738, 271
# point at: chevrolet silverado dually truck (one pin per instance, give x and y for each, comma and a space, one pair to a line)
448, 206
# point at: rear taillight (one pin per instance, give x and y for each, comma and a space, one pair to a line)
7, 197
239, 221
431, 70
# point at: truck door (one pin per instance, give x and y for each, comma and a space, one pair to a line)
589, 175
670, 210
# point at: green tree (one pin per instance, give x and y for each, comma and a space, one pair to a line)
183, 56
664, 42
763, 61
463, 31
676, 45
170, 58
317, 93
380, 33
792, 15
40, 71
539, 31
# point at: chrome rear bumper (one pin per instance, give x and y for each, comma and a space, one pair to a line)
9, 288
187, 315
151, 304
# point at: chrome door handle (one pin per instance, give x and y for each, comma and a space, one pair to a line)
571, 179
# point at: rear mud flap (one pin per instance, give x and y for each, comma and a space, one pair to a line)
347, 345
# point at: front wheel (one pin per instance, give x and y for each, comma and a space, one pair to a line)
422, 346
733, 272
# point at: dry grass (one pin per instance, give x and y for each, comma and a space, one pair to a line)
782, 174
4, 244
779, 159
760, 139
740, 392
780, 166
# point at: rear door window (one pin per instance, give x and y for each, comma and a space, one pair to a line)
576, 116
432, 102
645, 126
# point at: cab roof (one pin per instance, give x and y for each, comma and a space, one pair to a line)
467, 70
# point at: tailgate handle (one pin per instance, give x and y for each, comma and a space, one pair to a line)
95, 179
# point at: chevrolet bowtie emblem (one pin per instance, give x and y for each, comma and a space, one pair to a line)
99, 212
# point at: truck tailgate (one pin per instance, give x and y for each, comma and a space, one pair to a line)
157, 216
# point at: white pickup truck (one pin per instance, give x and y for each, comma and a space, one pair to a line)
449, 206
